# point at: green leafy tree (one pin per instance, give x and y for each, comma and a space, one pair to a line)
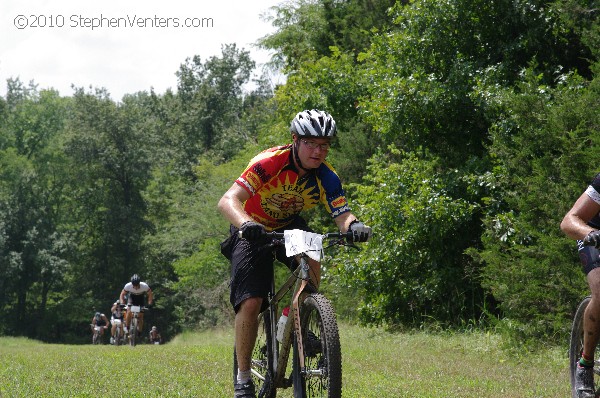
210, 100
415, 270
543, 146
34, 245
106, 144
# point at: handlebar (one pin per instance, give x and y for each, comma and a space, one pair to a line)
330, 235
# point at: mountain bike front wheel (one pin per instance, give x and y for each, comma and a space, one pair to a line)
322, 376
576, 346
117, 341
133, 331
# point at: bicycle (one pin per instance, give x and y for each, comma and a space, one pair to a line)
576, 344
119, 333
135, 311
96, 336
311, 331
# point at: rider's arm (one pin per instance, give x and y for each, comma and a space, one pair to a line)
150, 296
122, 296
574, 224
231, 205
343, 221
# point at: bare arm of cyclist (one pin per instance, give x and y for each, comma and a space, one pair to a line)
122, 296
231, 205
343, 221
150, 296
574, 224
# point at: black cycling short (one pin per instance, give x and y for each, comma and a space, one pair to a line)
252, 265
589, 257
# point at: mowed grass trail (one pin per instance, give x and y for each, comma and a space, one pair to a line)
375, 364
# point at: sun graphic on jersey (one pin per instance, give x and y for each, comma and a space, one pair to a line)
285, 198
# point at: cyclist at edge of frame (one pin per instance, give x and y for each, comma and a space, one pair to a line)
582, 222
275, 187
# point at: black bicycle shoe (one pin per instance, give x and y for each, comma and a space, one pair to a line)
584, 382
244, 390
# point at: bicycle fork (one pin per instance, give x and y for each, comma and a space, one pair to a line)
304, 275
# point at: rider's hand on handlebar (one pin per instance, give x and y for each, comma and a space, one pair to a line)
252, 230
360, 232
592, 239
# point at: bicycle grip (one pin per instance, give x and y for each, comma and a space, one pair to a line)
592, 239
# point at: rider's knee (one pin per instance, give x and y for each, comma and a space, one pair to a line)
251, 305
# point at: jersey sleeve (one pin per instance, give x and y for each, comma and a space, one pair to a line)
334, 197
261, 169
593, 190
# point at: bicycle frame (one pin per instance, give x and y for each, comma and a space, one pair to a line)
297, 281
133, 327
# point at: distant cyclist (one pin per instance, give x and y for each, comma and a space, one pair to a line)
116, 319
154, 336
136, 290
99, 319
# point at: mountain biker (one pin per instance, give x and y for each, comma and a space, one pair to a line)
155, 336
116, 319
99, 319
136, 290
274, 188
582, 222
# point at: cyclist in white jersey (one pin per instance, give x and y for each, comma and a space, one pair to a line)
136, 290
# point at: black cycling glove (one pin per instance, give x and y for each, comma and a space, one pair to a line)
360, 232
252, 230
592, 239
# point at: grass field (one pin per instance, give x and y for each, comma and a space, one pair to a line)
375, 364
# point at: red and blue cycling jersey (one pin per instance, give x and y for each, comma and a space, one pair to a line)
278, 194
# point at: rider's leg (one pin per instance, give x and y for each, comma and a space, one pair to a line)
591, 319
128, 318
246, 329
113, 329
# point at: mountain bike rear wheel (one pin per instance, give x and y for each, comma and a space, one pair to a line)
261, 362
576, 346
322, 376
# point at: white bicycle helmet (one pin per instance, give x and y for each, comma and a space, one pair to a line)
313, 123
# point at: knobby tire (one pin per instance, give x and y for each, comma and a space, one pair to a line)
322, 350
133, 336
576, 346
118, 335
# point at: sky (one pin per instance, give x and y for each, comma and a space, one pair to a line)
124, 46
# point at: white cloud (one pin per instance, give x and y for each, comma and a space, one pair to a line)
64, 48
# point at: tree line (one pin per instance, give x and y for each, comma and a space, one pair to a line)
467, 130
